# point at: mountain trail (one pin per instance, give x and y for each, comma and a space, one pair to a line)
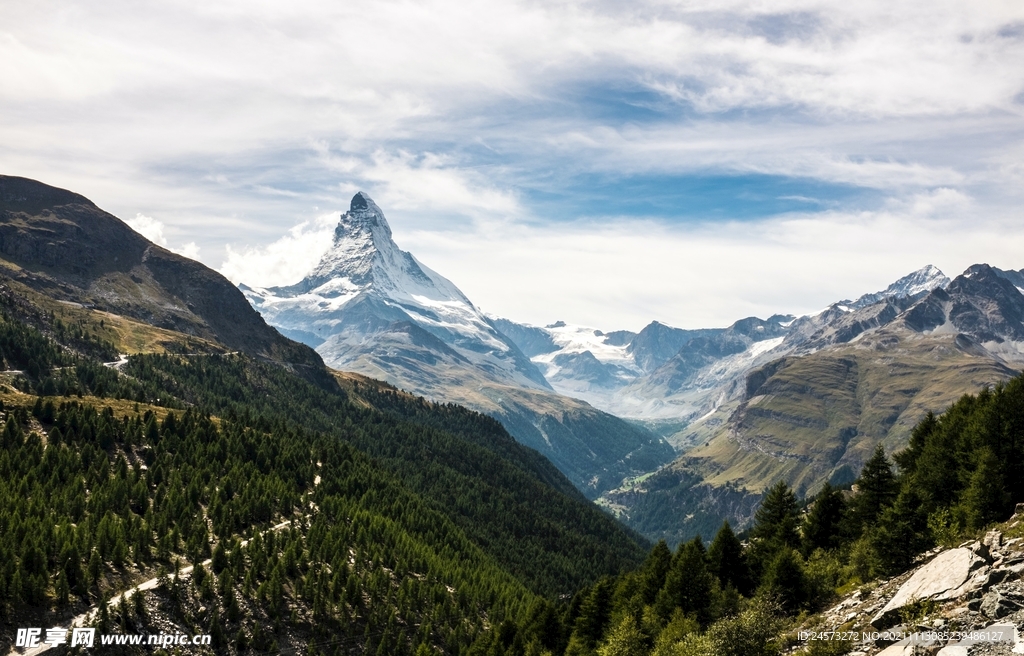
90, 615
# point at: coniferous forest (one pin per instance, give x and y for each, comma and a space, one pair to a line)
335, 515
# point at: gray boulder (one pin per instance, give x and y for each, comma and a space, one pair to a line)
947, 576
996, 606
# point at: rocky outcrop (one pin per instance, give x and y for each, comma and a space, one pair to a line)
947, 576
967, 600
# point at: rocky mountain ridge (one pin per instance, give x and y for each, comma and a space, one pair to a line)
667, 375
60, 243
840, 383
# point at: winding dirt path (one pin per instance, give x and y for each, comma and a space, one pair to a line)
88, 616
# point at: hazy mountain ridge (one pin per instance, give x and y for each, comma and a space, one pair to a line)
861, 377
664, 374
800, 398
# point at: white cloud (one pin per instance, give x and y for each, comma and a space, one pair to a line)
433, 183
942, 201
626, 273
785, 148
284, 261
148, 227
189, 250
153, 230
234, 120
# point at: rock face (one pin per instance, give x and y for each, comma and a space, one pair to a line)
995, 605
940, 579
959, 602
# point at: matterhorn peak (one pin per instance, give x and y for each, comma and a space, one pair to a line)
363, 214
359, 202
364, 283
362, 249
363, 258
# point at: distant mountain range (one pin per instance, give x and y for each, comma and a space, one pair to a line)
840, 382
372, 308
665, 375
804, 398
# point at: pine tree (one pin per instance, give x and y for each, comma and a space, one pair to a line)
103, 620
774, 529
726, 560
139, 606
95, 567
876, 490
900, 533
654, 571
920, 436
986, 498
784, 578
775, 521
12, 436
688, 584
594, 613
821, 529
62, 589
542, 624
220, 558
216, 631
120, 550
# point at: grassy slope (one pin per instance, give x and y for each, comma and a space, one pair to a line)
820, 413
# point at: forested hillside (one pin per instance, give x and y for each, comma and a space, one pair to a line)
351, 517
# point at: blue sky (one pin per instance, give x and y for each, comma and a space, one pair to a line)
605, 163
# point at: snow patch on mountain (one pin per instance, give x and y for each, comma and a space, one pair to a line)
578, 339
704, 361
764, 346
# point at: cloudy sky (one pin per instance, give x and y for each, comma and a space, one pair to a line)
605, 163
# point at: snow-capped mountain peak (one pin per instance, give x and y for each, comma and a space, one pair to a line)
924, 279
364, 256
365, 283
